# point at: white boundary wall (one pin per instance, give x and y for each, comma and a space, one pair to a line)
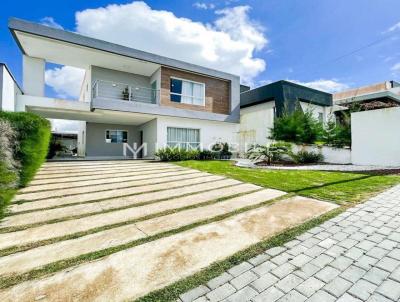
331, 155
376, 137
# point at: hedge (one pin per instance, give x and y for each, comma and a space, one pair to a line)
32, 141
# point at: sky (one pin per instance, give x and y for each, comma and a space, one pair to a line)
330, 45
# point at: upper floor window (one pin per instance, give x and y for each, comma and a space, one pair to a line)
187, 92
116, 136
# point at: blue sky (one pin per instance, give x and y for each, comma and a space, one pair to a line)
333, 43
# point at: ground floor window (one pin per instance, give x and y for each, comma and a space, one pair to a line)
116, 136
183, 138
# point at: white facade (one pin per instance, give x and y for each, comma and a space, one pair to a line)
9, 90
255, 124
321, 113
376, 137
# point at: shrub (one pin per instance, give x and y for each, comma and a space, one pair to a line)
8, 166
337, 135
221, 150
297, 127
33, 135
269, 153
55, 147
177, 154
307, 157
206, 155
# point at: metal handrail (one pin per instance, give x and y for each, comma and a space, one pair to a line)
121, 91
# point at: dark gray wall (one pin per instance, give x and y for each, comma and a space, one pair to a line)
286, 95
96, 143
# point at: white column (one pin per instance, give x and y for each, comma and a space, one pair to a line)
33, 76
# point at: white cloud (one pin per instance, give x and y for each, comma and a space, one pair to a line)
49, 21
64, 125
325, 85
227, 44
396, 68
394, 27
66, 81
203, 5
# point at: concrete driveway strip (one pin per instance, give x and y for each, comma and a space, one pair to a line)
106, 186
134, 272
104, 180
68, 168
68, 227
91, 176
45, 215
91, 197
71, 172
37, 257
108, 171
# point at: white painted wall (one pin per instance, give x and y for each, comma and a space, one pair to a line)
33, 76
255, 124
9, 90
82, 139
376, 137
210, 131
331, 155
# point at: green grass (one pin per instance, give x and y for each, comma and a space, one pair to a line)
332, 186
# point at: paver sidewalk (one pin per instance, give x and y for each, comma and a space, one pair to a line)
352, 257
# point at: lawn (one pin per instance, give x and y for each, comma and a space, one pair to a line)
332, 186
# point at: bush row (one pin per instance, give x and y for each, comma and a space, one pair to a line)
23, 149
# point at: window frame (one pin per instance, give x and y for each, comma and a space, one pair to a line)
186, 143
189, 96
122, 130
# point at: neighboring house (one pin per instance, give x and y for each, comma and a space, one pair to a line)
259, 107
127, 95
377, 96
9, 89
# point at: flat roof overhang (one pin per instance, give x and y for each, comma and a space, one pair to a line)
367, 97
69, 48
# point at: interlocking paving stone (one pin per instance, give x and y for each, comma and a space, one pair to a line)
347, 298
307, 271
221, 292
376, 275
218, 281
264, 282
353, 273
362, 289
271, 294
283, 270
275, 251
241, 268
310, 286
194, 293
320, 296
293, 296
264, 268
245, 294
337, 286
288, 283
259, 259
388, 264
243, 279
327, 274
390, 289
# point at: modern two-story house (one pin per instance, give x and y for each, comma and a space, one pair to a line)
127, 95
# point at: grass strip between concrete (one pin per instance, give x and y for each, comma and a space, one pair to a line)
50, 268
21, 248
172, 292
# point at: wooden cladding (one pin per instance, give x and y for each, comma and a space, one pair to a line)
217, 92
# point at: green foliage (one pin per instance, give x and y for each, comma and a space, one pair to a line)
297, 127
269, 153
33, 135
221, 150
307, 157
54, 147
337, 135
177, 154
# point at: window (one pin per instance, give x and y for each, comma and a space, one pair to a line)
116, 136
187, 92
183, 138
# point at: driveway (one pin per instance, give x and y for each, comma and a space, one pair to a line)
117, 230
352, 257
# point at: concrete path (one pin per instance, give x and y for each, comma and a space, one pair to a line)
119, 213
352, 257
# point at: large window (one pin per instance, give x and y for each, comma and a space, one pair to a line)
183, 138
116, 136
187, 92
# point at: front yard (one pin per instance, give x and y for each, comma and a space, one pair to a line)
341, 187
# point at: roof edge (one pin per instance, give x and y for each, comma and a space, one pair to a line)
20, 25
12, 76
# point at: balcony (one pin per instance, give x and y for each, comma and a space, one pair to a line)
125, 92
